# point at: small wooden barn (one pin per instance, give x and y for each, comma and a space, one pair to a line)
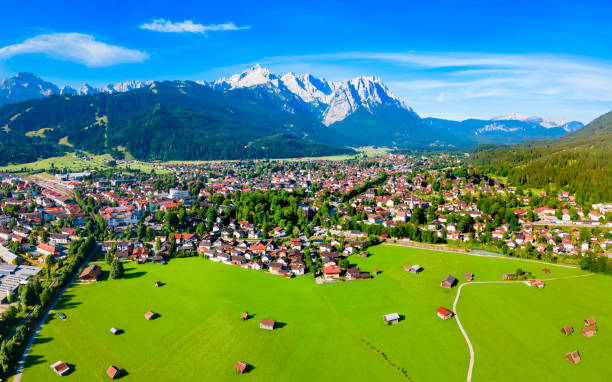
567, 330
241, 367
267, 324
448, 282
573, 357
589, 331
590, 321
391, 318
60, 368
444, 313
150, 315
112, 372
469, 276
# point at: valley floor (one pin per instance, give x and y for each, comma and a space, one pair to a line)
331, 331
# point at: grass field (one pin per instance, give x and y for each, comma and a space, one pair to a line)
75, 164
515, 329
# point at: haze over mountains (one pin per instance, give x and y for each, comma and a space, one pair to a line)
260, 104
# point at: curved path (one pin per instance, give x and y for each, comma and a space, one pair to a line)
467, 339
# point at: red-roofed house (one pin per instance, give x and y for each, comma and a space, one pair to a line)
331, 272
444, 313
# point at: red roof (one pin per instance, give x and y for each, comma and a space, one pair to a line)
444, 311
46, 247
112, 371
332, 269
241, 367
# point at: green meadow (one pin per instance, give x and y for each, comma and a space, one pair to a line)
328, 332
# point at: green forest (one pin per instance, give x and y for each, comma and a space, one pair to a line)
165, 121
579, 162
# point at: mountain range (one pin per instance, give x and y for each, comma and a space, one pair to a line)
357, 112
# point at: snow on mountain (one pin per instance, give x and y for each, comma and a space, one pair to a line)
120, 87
523, 118
24, 86
337, 100
252, 77
309, 88
67, 90
87, 89
359, 92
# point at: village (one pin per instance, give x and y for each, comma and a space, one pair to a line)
291, 219
336, 209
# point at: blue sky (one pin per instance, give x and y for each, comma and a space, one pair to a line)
453, 59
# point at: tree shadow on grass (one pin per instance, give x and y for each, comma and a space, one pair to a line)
42, 340
67, 302
133, 275
104, 275
34, 360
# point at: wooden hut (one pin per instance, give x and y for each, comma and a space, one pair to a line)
444, 313
448, 282
469, 276
241, 367
589, 331
573, 357
567, 330
60, 368
267, 324
391, 318
150, 315
590, 321
244, 315
112, 372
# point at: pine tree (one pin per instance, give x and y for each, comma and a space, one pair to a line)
116, 269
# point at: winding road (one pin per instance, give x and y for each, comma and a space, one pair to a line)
467, 339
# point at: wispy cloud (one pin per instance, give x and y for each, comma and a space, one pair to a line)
478, 84
188, 26
76, 47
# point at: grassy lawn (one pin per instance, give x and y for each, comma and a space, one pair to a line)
199, 335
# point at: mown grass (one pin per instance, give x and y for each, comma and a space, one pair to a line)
328, 332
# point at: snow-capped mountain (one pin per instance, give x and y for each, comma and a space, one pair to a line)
337, 100
309, 88
67, 90
568, 126
120, 87
24, 86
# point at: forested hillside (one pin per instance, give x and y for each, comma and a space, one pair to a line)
169, 120
580, 162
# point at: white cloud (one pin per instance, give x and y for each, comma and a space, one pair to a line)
76, 47
188, 26
479, 84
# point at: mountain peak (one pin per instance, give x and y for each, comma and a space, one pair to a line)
254, 76
336, 100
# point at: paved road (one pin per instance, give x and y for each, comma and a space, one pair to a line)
467, 339
21, 364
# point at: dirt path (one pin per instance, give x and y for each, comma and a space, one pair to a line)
467, 339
